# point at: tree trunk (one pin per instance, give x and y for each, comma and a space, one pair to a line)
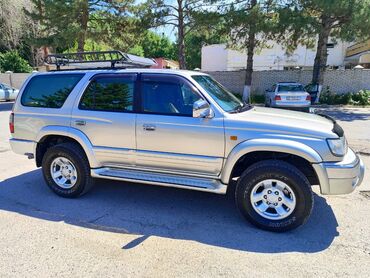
321, 55
83, 18
250, 52
181, 36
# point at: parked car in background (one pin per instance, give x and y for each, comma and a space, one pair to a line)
7, 93
288, 95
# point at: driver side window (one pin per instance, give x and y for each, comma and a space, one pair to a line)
167, 95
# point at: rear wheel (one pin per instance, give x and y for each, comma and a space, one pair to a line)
66, 170
274, 195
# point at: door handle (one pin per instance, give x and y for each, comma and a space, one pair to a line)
80, 122
148, 127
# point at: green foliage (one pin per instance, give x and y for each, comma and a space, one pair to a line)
360, 98
205, 35
153, 45
257, 98
11, 61
65, 23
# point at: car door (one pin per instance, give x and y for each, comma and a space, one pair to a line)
9, 92
168, 137
5, 93
105, 113
2, 92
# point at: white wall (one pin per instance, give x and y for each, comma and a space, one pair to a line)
273, 57
214, 57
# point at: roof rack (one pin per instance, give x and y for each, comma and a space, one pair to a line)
98, 59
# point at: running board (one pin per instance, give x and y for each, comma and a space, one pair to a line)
170, 180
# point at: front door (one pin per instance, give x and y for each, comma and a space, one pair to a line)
168, 137
105, 113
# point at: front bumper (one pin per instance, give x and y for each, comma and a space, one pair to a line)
340, 177
24, 147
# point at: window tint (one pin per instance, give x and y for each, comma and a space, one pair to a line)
49, 91
168, 96
291, 88
115, 94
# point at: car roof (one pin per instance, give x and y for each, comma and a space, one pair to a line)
185, 73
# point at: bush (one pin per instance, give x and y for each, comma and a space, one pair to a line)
360, 98
257, 98
11, 61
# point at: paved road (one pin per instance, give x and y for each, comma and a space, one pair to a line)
123, 229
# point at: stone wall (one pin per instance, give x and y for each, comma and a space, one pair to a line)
339, 81
17, 79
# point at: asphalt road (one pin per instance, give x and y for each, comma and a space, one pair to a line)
134, 230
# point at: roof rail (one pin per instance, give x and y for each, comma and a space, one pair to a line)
98, 59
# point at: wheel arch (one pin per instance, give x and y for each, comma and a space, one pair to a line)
58, 134
254, 150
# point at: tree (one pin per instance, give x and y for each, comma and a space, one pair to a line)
69, 22
304, 21
13, 24
249, 24
181, 15
204, 35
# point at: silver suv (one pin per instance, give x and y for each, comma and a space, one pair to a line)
180, 129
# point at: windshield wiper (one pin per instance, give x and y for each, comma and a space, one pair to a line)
241, 108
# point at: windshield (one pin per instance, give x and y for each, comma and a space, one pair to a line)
291, 88
223, 97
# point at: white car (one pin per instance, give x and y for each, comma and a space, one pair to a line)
288, 95
7, 93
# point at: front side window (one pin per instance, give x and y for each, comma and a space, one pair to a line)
223, 97
168, 96
114, 94
50, 90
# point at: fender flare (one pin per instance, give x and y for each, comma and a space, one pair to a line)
73, 133
273, 145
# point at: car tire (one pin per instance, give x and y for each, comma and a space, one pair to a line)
278, 177
74, 163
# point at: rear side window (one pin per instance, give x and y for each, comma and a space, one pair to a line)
114, 94
49, 91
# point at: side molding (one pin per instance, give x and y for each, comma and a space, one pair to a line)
273, 145
75, 134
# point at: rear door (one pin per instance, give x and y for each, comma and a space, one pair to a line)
105, 113
168, 137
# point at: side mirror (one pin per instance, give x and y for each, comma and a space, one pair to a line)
201, 109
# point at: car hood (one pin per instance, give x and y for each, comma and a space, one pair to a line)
282, 121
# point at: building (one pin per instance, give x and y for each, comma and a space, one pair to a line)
217, 57
163, 63
358, 54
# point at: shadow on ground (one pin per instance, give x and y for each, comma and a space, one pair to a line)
164, 212
347, 115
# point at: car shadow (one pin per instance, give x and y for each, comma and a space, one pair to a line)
164, 212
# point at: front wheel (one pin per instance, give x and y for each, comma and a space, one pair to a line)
274, 195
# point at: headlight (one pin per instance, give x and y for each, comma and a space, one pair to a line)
338, 146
